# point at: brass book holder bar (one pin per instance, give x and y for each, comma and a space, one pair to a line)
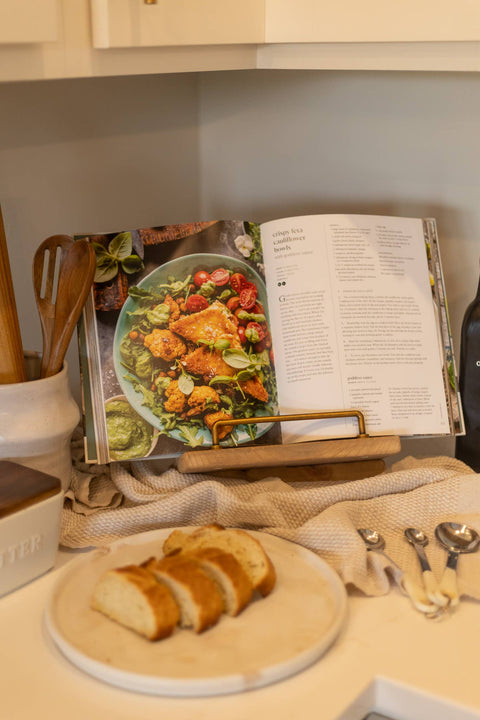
356, 451
288, 418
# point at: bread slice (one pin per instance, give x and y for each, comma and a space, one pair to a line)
131, 596
196, 595
245, 548
228, 575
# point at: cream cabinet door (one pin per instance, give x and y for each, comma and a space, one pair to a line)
353, 21
150, 23
28, 21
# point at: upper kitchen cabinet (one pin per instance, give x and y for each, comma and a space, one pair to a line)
153, 23
31, 21
371, 21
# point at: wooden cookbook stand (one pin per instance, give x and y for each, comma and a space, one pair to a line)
337, 459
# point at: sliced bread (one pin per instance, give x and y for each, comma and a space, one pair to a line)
132, 596
245, 548
196, 595
230, 578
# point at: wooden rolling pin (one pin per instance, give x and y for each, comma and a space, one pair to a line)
12, 363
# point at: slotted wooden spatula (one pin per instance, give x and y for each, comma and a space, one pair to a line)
46, 267
75, 279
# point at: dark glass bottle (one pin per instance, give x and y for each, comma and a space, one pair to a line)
468, 446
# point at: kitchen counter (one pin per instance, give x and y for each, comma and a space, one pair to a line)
388, 658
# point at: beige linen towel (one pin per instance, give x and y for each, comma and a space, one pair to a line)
321, 516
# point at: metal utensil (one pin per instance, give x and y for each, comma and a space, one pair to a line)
456, 539
376, 542
46, 267
419, 541
75, 280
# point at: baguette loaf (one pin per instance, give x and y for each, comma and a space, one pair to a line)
196, 595
246, 549
131, 596
230, 578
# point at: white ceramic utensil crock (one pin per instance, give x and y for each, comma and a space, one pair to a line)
37, 419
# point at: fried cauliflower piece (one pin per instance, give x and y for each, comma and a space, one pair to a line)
176, 400
164, 344
211, 419
200, 396
173, 307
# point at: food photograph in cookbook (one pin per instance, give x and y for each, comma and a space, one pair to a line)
183, 339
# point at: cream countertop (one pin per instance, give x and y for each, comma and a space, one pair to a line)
388, 657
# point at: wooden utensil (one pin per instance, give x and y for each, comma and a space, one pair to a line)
45, 283
12, 364
75, 280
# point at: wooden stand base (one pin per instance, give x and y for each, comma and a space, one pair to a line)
316, 453
330, 472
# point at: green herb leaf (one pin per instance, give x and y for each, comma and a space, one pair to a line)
132, 264
185, 384
245, 374
100, 251
139, 293
107, 268
121, 245
190, 435
236, 358
221, 379
221, 344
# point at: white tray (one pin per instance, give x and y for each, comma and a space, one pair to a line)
273, 638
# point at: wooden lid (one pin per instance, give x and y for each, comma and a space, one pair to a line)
21, 487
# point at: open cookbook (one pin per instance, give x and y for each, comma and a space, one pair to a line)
195, 323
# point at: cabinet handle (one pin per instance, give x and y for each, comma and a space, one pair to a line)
150, 2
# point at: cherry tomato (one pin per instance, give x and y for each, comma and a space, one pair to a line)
272, 359
258, 308
248, 296
260, 346
233, 303
241, 334
238, 282
195, 303
255, 332
240, 320
200, 277
220, 277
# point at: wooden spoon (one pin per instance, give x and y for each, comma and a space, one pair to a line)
12, 364
45, 283
75, 280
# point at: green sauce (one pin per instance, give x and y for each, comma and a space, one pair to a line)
129, 435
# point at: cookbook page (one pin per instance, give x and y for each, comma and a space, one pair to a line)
353, 325
175, 337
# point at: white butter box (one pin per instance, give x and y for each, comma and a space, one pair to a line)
30, 515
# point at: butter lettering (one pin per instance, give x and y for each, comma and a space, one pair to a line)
20, 550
